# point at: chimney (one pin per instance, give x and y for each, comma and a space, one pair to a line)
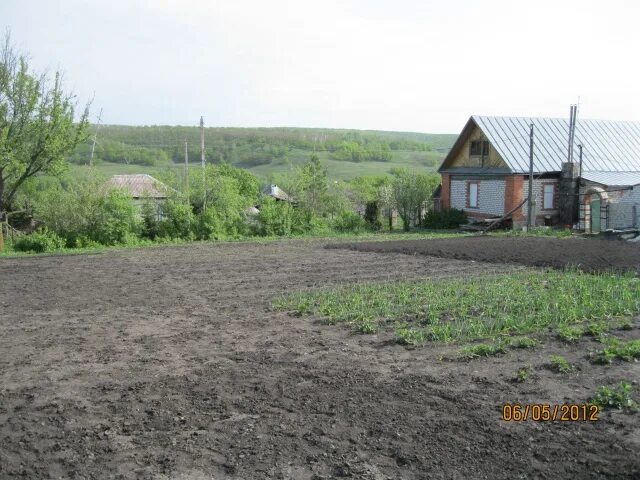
568, 186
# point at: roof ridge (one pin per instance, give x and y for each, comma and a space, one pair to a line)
579, 119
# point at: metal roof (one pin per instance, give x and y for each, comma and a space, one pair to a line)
276, 192
139, 185
613, 178
608, 146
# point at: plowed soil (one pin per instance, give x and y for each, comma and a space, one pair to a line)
587, 254
169, 363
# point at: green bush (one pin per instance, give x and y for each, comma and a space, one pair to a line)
81, 210
276, 218
150, 222
179, 220
446, 218
40, 242
117, 222
349, 222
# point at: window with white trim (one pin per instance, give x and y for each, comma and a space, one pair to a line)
473, 195
548, 196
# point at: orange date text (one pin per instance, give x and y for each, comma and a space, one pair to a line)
543, 412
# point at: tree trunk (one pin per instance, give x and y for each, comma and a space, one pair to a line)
2, 205
406, 221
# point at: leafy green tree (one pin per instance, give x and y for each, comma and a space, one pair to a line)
276, 218
179, 220
37, 124
117, 220
150, 221
312, 184
411, 193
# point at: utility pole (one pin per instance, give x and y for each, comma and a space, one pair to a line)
530, 202
204, 187
186, 168
95, 137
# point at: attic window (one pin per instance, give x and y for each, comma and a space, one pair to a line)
479, 147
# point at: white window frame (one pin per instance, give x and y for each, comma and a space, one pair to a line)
474, 202
548, 189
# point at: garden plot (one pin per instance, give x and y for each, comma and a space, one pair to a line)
172, 362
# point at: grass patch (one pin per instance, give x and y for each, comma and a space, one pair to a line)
523, 342
559, 364
535, 232
616, 349
469, 309
618, 397
597, 329
410, 336
569, 333
470, 352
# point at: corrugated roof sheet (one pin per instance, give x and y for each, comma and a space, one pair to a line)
613, 178
139, 185
608, 146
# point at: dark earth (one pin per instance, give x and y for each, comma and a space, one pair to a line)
169, 363
584, 253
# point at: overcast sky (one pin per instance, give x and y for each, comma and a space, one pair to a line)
412, 65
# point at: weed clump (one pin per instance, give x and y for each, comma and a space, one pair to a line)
482, 350
616, 349
618, 397
523, 342
410, 336
560, 364
523, 374
570, 334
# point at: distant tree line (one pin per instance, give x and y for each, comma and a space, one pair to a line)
245, 147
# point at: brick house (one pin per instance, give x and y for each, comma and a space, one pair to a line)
486, 172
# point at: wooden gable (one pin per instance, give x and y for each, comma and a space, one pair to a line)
461, 156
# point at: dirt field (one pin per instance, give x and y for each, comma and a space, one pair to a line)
587, 254
168, 363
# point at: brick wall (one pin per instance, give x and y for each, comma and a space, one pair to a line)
513, 196
491, 196
445, 192
539, 212
624, 209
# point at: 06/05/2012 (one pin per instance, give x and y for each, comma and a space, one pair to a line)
542, 412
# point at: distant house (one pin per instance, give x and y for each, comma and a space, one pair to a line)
143, 188
274, 191
486, 172
140, 186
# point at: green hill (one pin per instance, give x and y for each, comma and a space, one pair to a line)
265, 151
